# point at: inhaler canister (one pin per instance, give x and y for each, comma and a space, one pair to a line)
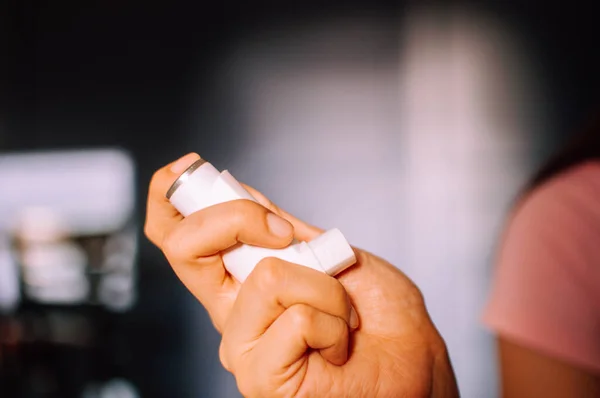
202, 185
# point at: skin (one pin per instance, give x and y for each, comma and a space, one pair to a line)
529, 373
288, 331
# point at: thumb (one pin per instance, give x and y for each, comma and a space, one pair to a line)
302, 230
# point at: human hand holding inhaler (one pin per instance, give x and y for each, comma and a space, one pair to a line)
201, 185
289, 331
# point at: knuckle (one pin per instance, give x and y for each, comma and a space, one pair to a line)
155, 179
171, 246
242, 209
148, 232
339, 294
301, 316
153, 233
269, 274
223, 355
338, 301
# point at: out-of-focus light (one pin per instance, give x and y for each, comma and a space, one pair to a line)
115, 388
67, 220
91, 190
116, 291
40, 224
9, 281
52, 267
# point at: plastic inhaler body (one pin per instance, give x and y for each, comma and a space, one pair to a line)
202, 185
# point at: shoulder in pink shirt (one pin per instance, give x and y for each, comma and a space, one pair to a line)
546, 290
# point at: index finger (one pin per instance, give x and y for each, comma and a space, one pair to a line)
161, 216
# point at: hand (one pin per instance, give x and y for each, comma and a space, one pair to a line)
288, 330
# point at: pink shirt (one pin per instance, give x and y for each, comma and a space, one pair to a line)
546, 290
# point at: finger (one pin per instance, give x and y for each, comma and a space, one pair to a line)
299, 328
273, 286
303, 231
161, 216
193, 246
277, 355
216, 228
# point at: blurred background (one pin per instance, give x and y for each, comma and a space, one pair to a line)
409, 125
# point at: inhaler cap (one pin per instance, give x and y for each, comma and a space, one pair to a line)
192, 189
333, 251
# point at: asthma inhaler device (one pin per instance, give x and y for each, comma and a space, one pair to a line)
202, 185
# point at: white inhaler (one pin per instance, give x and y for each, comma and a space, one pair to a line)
202, 185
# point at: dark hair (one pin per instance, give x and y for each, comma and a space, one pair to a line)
580, 148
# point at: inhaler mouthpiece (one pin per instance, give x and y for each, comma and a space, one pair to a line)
202, 185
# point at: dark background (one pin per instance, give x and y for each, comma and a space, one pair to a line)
131, 74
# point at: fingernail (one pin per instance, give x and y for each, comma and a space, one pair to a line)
353, 318
184, 162
278, 226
